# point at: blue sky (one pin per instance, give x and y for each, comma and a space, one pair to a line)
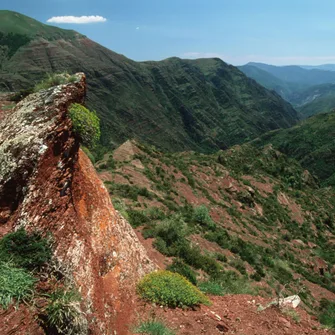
238, 31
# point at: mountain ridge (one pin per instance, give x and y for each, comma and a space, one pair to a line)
310, 91
175, 104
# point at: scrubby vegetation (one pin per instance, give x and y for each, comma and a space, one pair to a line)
170, 289
86, 124
26, 259
255, 229
64, 313
153, 327
29, 251
183, 269
327, 313
54, 79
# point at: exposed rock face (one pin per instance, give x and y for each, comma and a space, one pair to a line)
47, 183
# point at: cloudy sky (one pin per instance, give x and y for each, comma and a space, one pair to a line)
238, 31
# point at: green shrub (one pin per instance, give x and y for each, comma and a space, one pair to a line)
192, 255
155, 213
201, 216
170, 289
64, 314
183, 269
54, 79
86, 124
29, 251
232, 283
15, 284
172, 231
153, 327
211, 287
136, 218
327, 313
221, 257
239, 265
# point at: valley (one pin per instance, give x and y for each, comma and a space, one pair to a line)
172, 197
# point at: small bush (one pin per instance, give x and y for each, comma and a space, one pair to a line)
221, 257
201, 216
173, 232
327, 313
15, 284
170, 289
211, 287
232, 283
64, 314
29, 251
136, 218
86, 124
153, 327
155, 213
183, 269
54, 80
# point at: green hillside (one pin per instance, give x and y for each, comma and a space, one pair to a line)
312, 142
16, 23
175, 104
243, 218
315, 100
268, 80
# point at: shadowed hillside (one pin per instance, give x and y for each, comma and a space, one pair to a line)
311, 142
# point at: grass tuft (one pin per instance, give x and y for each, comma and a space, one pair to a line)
64, 313
153, 327
15, 284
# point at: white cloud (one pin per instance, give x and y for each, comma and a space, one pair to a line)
77, 19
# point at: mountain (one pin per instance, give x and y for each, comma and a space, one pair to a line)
298, 75
311, 142
310, 91
326, 67
314, 100
268, 80
175, 104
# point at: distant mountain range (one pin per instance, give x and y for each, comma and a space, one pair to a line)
174, 104
326, 67
311, 90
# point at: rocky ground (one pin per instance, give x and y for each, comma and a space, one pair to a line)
235, 314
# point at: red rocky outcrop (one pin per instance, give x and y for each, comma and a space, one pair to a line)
48, 184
